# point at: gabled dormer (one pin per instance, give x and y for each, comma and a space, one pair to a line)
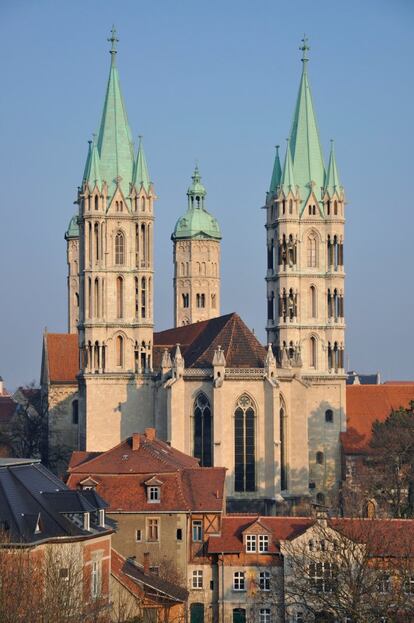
153, 490
88, 483
257, 538
118, 206
312, 207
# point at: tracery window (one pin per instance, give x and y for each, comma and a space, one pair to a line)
203, 430
119, 248
244, 445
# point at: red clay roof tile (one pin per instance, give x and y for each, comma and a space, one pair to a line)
367, 403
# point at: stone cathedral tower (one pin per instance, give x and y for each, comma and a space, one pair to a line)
116, 279
305, 261
196, 240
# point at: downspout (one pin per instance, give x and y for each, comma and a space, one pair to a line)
222, 587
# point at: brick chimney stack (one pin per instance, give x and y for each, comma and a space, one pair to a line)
136, 441
150, 433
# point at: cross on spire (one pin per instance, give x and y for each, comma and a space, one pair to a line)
305, 49
113, 40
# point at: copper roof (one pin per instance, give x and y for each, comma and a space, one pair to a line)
62, 357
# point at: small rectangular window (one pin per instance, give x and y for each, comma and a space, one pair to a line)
212, 585
154, 570
153, 533
263, 543
64, 574
264, 580
153, 494
264, 615
197, 531
250, 543
138, 535
238, 581
179, 534
197, 579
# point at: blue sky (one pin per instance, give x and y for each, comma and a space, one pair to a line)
214, 81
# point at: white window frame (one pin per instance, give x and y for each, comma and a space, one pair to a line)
197, 530
153, 494
96, 573
408, 585
239, 581
265, 615
197, 579
251, 544
263, 543
323, 578
264, 580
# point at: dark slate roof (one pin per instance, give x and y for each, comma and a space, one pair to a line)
198, 342
132, 575
30, 495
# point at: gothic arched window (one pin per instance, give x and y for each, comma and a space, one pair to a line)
244, 445
313, 352
203, 431
313, 301
120, 351
119, 248
96, 301
136, 283
120, 297
96, 202
312, 251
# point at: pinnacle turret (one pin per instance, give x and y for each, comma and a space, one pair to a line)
141, 175
332, 183
287, 182
92, 174
276, 174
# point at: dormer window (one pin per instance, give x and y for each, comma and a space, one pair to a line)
101, 518
154, 494
250, 543
263, 543
86, 521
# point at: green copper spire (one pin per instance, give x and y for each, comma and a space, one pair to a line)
196, 222
308, 165
277, 173
287, 181
73, 228
332, 178
92, 173
115, 145
141, 175
196, 188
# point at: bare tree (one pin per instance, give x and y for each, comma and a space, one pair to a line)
351, 569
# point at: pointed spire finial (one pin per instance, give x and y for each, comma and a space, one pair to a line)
113, 40
305, 49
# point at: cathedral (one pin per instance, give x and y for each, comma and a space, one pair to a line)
271, 415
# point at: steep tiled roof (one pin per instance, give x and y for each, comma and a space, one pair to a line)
198, 342
139, 454
382, 536
123, 471
31, 496
232, 528
367, 403
133, 576
62, 357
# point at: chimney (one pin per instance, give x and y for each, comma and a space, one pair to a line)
146, 562
150, 434
136, 441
